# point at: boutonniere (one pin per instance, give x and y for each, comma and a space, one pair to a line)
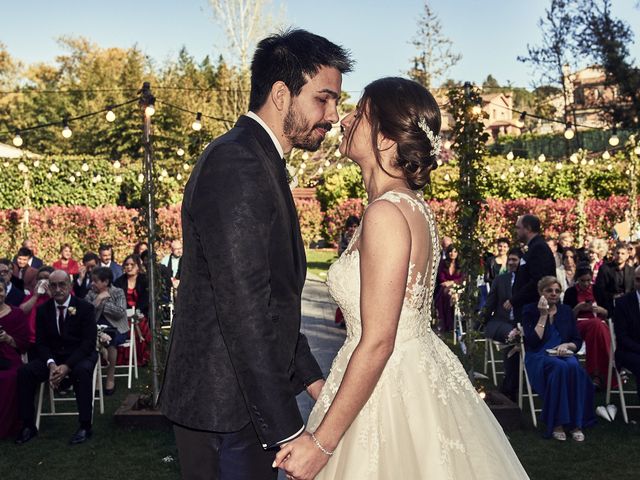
525, 249
71, 310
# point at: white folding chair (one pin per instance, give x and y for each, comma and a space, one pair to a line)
53, 399
524, 378
490, 348
620, 391
132, 366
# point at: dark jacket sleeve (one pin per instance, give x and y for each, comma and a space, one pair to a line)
623, 316
42, 340
307, 369
530, 317
233, 211
86, 314
491, 304
570, 297
601, 288
540, 263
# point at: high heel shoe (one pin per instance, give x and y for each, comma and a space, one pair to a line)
561, 436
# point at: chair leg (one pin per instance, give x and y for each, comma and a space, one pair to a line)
493, 364
623, 402
40, 401
531, 405
487, 345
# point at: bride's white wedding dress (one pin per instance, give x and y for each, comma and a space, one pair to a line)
424, 419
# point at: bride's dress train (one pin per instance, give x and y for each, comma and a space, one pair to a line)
424, 419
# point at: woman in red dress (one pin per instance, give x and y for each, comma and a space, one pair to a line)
449, 275
591, 324
14, 339
65, 262
134, 284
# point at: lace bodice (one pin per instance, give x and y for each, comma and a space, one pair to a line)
343, 278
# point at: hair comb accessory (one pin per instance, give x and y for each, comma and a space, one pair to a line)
436, 140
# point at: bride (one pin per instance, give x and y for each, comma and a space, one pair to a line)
397, 402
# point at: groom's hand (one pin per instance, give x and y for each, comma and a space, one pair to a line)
301, 458
314, 389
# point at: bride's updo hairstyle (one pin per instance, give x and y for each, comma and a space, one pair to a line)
404, 111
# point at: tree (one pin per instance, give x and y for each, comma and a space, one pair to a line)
605, 40
555, 51
490, 82
435, 56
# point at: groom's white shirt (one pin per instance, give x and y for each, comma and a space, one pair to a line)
255, 117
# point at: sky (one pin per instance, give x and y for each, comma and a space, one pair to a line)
489, 34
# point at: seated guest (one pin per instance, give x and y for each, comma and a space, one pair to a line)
598, 251
105, 252
82, 282
134, 284
631, 261
553, 245
22, 269
614, 278
499, 322
40, 295
140, 247
172, 261
13, 341
165, 277
497, 264
626, 322
66, 344
33, 261
350, 227
65, 262
14, 296
449, 275
111, 312
592, 324
551, 338
567, 271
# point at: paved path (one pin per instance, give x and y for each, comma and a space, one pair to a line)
325, 338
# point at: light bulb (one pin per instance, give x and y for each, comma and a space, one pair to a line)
559, 166
591, 162
502, 177
164, 173
609, 167
439, 162
606, 155
197, 124
150, 110
583, 161
614, 140
17, 140
49, 176
542, 158
477, 110
327, 163
512, 169
447, 177
337, 154
574, 158
303, 166
116, 164
510, 156
339, 166
180, 152
66, 131
186, 167
36, 163
22, 167
110, 116
72, 179
447, 145
569, 133
118, 179
521, 174
305, 156
320, 171
85, 167
637, 150
140, 178
179, 176
54, 168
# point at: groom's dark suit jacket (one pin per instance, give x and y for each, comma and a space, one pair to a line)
236, 352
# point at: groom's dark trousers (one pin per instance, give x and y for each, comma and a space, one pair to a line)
237, 358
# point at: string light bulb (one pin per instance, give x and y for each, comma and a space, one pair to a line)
574, 158
186, 167
140, 178
614, 140
197, 123
110, 116
327, 163
542, 158
150, 110
118, 178
179, 176
17, 140
85, 167
510, 156
180, 151
606, 155
305, 156
477, 109
66, 131
116, 164
559, 166
568, 132
337, 154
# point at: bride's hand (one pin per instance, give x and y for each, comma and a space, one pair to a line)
315, 388
301, 458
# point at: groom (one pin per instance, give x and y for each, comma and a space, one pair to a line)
237, 358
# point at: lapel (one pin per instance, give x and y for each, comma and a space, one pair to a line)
276, 168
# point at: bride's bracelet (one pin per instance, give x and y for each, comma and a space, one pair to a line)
319, 445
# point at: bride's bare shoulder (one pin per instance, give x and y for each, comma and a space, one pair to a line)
383, 221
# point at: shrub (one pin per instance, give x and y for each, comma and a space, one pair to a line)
310, 217
336, 217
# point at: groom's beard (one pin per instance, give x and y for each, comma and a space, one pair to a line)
299, 134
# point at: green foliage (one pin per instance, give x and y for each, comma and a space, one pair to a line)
340, 184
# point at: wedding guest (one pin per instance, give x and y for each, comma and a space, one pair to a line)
592, 324
82, 282
449, 275
499, 321
536, 263
164, 274
140, 247
497, 265
41, 294
626, 322
444, 244
598, 251
614, 278
553, 245
13, 341
172, 261
110, 312
631, 261
565, 240
65, 262
66, 344
134, 284
22, 269
350, 227
105, 252
566, 273
14, 296
33, 261
551, 339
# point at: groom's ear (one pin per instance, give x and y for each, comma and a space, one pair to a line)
280, 96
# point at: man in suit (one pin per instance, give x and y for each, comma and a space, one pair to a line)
614, 278
14, 296
82, 281
23, 271
33, 261
105, 252
499, 321
626, 322
66, 335
237, 358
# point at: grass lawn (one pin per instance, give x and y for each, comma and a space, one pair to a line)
319, 260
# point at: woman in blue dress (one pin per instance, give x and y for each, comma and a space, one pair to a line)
551, 339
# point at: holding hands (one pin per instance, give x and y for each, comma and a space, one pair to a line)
302, 458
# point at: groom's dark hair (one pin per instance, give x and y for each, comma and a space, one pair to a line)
290, 56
